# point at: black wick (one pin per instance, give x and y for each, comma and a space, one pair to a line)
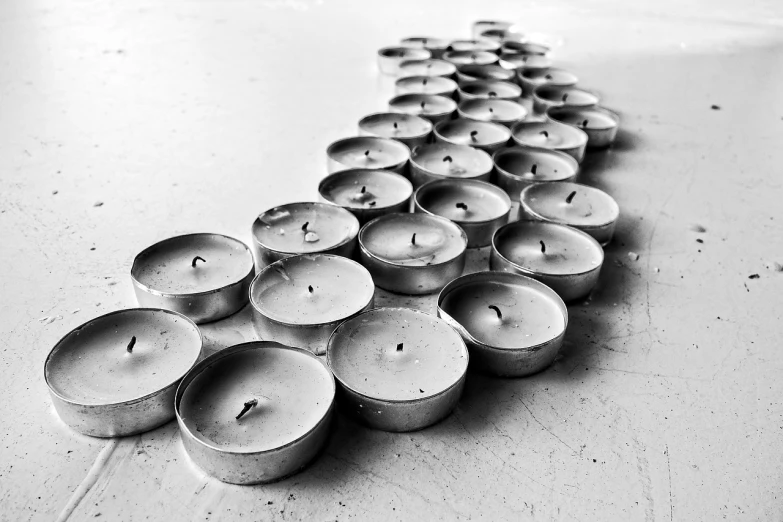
492, 94
565, 96
364, 187
545, 133
424, 81
448, 158
304, 227
533, 169
395, 124
497, 311
491, 109
413, 239
197, 258
131, 344
399, 347
422, 105
543, 247
310, 288
570, 197
246, 408
548, 76
473, 135
367, 153
584, 123
462, 205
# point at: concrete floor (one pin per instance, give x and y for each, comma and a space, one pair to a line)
122, 123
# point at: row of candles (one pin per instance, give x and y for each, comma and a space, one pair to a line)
402, 203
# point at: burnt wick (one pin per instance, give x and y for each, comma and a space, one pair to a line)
422, 105
372, 203
448, 158
544, 133
473, 135
304, 227
565, 96
570, 197
399, 347
413, 239
584, 123
548, 76
492, 94
497, 311
395, 124
310, 288
462, 205
491, 109
246, 407
197, 258
533, 169
367, 153
424, 81
364, 189
543, 247
131, 344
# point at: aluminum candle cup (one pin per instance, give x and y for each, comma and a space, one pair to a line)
367, 194
504, 112
483, 44
472, 73
513, 325
470, 57
551, 135
481, 26
412, 253
478, 207
116, 375
432, 107
367, 152
529, 79
563, 258
203, 276
446, 160
518, 167
300, 300
520, 61
399, 369
435, 85
586, 208
303, 228
255, 412
482, 135
491, 89
406, 128
430, 67
546, 96
502, 35
390, 58
529, 48
436, 46
599, 124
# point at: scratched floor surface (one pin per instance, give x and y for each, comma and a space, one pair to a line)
122, 123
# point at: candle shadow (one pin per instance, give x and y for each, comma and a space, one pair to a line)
598, 161
234, 329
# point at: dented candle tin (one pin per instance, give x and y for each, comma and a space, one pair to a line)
367, 152
552, 135
599, 124
513, 325
483, 135
436, 85
398, 369
300, 300
255, 412
518, 167
367, 194
390, 58
202, 276
430, 106
116, 374
504, 112
447, 160
406, 128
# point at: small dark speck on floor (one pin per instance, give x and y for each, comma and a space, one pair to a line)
715, 107
54, 192
700, 240
93, 248
753, 276
98, 204
698, 228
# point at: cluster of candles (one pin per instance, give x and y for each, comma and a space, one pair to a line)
423, 182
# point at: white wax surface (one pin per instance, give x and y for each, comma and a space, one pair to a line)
568, 251
549, 76
363, 355
383, 124
470, 57
586, 118
485, 88
167, 266
492, 110
425, 85
341, 288
484, 201
548, 134
486, 72
466, 162
294, 392
461, 132
328, 226
433, 105
389, 239
475, 45
381, 188
91, 365
368, 152
529, 316
590, 207
573, 96
429, 67
550, 166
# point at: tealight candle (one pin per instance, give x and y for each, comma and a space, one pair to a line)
203, 276
478, 207
472, 72
406, 128
447, 160
367, 152
504, 112
255, 412
367, 194
551, 135
529, 48
479, 134
489, 89
521, 61
412, 253
484, 44
563, 258
116, 375
480, 26
470, 57
390, 58
518, 167
399, 369
303, 228
434, 108
513, 325
429, 67
548, 96
300, 300
502, 35
436, 46
586, 208
436, 85
599, 124
529, 79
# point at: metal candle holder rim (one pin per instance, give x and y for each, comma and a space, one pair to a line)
540, 89
386, 52
104, 316
494, 276
552, 113
448, 144
521, 149
250, 345
478, 123
448, 222
541, 217
402, 114
280, 262
579, 134
188, 295
462, 182
406, 401
521, 268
